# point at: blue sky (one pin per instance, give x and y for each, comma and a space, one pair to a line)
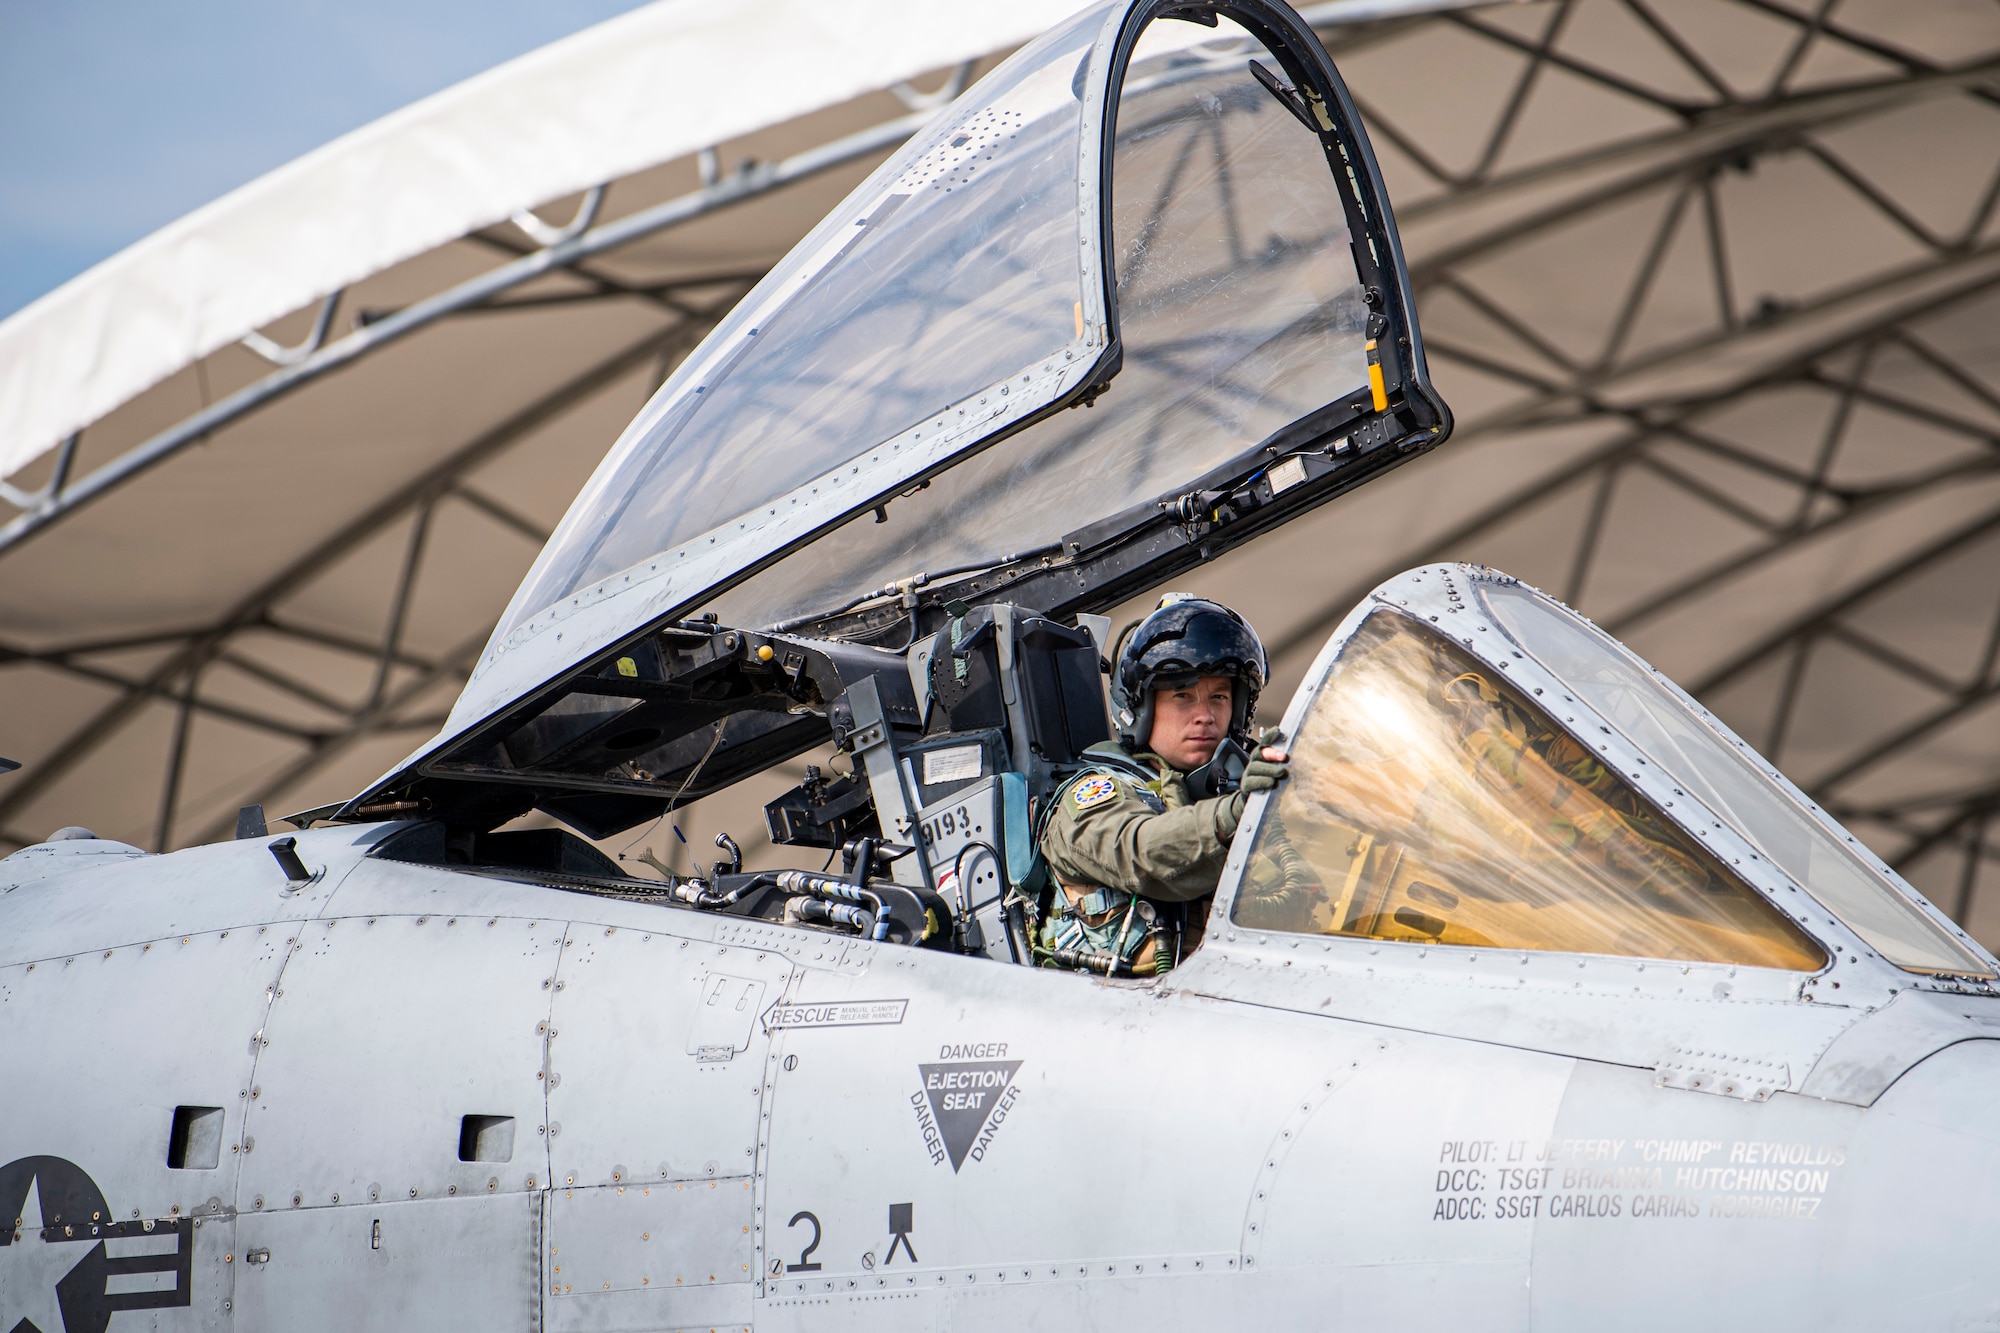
116, 117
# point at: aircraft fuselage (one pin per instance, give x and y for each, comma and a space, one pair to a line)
689, 1119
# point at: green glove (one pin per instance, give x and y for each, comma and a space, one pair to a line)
1269, 764
1260, 774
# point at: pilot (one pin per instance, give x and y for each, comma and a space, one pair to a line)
1135, 842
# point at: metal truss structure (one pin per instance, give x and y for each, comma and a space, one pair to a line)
1709, 283
403, 686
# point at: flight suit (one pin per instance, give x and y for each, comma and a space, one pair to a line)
1135, 861
1112, 829
1119, 843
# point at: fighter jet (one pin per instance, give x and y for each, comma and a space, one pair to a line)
1535, 998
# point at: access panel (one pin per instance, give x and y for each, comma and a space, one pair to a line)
402, 1065
657, 1097
118, 1177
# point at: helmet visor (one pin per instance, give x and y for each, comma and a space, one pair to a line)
1204, 643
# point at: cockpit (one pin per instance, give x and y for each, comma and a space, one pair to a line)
1134, 299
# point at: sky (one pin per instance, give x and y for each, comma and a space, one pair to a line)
116, 116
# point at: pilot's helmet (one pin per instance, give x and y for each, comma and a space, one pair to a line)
1185, 639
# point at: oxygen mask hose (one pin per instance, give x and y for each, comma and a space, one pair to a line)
971, 937
1090, 960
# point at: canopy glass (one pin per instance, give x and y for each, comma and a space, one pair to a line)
1435, 803
1732, 781
1239, 311
955, 265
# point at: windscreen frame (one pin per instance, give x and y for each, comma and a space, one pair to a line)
1446, 595
1609, 848
1440, 597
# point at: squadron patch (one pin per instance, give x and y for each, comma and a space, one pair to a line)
1092, 791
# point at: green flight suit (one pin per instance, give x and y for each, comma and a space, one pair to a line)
1123, 841
1106, 833
1134, 860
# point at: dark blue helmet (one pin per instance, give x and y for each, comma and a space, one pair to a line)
1186, 639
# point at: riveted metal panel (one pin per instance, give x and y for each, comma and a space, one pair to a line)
941, 1121
388, 1031
401, 888
114, 1039
1406, 1178
453, 1263
1869, 1057
704, 1310
59, 902
1686, 1021
1648, 1183
661, 1255
1414, 1296
60, 1270
656, 1057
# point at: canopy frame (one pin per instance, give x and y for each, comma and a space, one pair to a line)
1338, 446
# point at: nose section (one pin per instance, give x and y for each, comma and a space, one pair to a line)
1920, 1226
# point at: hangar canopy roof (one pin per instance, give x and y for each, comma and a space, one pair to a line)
656, 84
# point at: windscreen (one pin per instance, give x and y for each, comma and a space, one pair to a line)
1239, 310
953, 267
1432, 802
1734, 783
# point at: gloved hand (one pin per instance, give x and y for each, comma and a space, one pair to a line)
1269, 766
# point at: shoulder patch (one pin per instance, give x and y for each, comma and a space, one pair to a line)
1094, 790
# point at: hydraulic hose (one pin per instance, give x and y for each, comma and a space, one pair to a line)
825, 886
699, 892
841, 914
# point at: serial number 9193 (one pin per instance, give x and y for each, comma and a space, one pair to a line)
954, 824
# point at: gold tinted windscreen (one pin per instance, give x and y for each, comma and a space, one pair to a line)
1433, 803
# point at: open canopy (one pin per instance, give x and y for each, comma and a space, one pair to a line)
1710, 297
1136, 297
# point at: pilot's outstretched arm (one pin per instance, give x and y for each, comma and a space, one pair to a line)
1115, 839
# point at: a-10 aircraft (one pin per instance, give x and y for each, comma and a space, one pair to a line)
1535, 999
